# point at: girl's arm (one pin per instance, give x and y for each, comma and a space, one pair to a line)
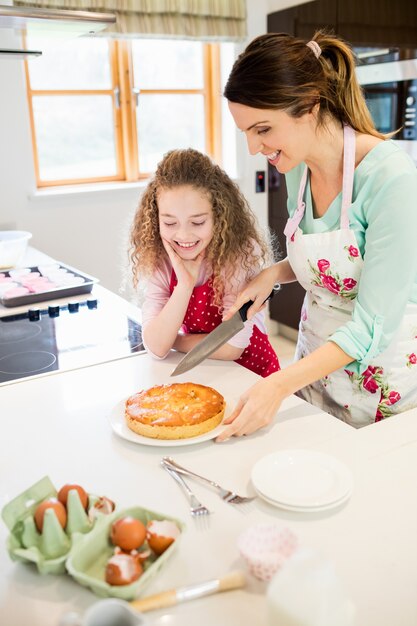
258, 406
160, 333
260, 287
184, 343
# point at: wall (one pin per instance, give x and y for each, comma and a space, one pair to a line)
86, 229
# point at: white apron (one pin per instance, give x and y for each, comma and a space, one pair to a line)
328, 266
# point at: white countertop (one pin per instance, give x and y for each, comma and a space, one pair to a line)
58, 426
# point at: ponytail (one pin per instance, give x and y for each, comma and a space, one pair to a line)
278, 71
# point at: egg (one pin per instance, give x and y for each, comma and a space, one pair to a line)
128, 533
103, 505
63, 494
160, 534
123, 569
58, 508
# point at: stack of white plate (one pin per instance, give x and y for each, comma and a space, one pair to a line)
302, 480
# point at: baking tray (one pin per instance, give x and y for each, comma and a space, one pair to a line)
56, 292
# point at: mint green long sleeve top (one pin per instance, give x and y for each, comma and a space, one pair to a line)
383, 217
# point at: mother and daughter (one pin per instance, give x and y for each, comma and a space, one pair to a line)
350, 235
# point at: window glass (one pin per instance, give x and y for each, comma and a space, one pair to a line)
165, 64
81, 63
75, 136
228, 56
166, 122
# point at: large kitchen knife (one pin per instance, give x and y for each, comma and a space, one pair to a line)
214, 340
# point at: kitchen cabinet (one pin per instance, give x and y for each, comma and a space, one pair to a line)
371, 23
285, 308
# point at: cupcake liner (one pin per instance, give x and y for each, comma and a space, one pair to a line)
265, 548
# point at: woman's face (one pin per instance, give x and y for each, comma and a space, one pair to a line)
285, 140
185, 220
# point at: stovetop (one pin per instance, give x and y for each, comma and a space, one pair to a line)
65, 337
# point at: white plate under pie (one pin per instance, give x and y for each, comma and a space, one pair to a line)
302, 479
119, 426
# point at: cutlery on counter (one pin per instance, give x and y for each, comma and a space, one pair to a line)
216, 339
233, 580
197, 510
228, 496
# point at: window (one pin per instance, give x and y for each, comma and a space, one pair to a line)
107, 110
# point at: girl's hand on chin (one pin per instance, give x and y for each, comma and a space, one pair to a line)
186, 271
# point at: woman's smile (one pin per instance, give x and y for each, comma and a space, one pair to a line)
273, 158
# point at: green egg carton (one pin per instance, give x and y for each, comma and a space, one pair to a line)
89, 555
83, 549
48, 550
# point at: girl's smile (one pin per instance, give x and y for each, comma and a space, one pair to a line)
185, 220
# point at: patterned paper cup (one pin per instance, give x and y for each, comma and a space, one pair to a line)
265, 548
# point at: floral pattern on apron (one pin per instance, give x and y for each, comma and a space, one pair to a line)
202, 317
329, 265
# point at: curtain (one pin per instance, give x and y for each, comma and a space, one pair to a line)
212, 20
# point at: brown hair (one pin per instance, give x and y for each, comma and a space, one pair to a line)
235, 233
278, 71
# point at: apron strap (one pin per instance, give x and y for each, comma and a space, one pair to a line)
294, 221
347, 186
348, 173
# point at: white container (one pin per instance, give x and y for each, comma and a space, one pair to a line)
13, 244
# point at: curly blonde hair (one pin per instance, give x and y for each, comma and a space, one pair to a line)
235, 231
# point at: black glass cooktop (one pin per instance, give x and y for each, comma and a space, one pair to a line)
59, 338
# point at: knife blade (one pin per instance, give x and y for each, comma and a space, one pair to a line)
214, 340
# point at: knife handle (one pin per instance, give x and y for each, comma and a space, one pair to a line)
243, 311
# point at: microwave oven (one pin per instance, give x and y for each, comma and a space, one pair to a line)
390, 90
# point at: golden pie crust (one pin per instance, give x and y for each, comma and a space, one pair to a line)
176, 411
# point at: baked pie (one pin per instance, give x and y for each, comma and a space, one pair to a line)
176, 411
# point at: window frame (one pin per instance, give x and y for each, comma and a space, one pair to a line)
124, 103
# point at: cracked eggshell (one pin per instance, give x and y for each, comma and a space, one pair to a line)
161, 534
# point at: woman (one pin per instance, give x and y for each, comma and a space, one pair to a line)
351, 234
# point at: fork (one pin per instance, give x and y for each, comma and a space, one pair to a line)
228, 496
197, 509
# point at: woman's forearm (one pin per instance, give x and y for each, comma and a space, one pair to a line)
318, 364
258, 405
283, 271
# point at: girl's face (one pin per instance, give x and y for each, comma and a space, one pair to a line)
285, 140
185, 220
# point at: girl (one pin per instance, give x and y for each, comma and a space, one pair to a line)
195, 242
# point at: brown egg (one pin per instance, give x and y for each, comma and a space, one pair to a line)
123, 569
128, 533
160, 534
54, 504
63, 494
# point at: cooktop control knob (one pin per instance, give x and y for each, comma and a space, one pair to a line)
53, 310
92, 303
73, 307
34, 315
